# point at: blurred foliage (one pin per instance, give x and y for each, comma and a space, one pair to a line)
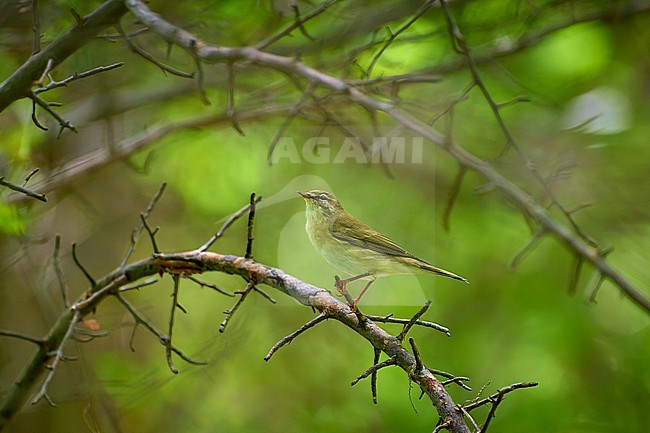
591, 359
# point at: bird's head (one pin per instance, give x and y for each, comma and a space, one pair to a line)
321, 202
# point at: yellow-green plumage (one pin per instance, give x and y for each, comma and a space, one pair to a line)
353, 247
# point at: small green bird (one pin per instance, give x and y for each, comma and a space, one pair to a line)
353, 247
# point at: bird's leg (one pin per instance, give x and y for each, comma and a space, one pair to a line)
358, 298
341, 284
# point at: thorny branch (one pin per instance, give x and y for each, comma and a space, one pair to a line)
128, 277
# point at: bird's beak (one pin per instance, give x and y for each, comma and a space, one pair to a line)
304, 195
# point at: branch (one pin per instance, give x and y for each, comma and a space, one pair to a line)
234, 217
22, 190
77, 76
289, 338
93, 161
297, 23
197, 262
18, 85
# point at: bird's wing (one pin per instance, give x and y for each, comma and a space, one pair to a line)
354, 232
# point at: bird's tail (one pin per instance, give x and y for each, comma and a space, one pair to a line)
430, 268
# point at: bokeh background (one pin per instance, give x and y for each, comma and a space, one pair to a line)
585, 127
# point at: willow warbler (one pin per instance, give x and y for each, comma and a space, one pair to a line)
353, 247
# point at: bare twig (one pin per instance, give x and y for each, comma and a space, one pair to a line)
139, 284
442, 426
458, 380
503, 391
48, 68
21, 336
89, 277
232, 310
30, 175
200, 81
376, 367
296, 109
22, 190
416, 355
230, 109
77, 76
57, 357
393, 35
36, 29
530, 246
413, 321
234, 217
373, 375
298, 22
163, 339
60, 276
454, 191
208, 285
151, 233
168, 340
575, 275
249, 232
63, 124
138, 231
423, 323
289, 338
150, 58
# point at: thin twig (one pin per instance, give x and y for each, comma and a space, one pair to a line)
289, 338
19, 335
441, 426
144, 54
297, 23
393, 35
230, 109
60, 276
423, 323
458, 380
413, 321
454, 192
140, 319
575, 275
200, 81
234, 217
151, 233
58, 357
22, 190
48, 67
138, 231
376, 367
232, 310
168, 339
416, 355
29, 176
209, 285
530, 246
373, 375
287, 121
36, 29
91, 280
138, 285
503, 391
249, 232
77, 76
63, 124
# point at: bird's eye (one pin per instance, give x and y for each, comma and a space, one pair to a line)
322, 197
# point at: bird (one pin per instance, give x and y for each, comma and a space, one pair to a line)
353, 247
